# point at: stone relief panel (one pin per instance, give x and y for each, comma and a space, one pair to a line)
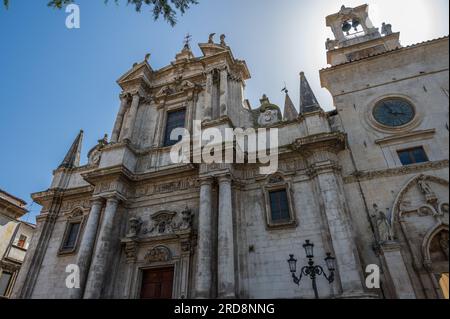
80, 203
160, 223
158, 254
269, 117
166, 187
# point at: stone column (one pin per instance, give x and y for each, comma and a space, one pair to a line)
225, 271
203, 280
87, 246
207, 110
340, 233
102, 253
397, 270
120, 117
223, 92
129, 125
159, 126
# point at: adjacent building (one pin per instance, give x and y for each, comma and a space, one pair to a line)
15, 237
366, 182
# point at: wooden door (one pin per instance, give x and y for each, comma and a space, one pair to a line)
157, 283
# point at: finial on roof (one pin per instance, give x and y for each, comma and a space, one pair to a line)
222, 40
308, 101
72, 158
264, 99
187, 42
211, 38
147, 56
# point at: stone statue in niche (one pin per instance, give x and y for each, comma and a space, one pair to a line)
134, 227
443, 242
426, 189
383, 224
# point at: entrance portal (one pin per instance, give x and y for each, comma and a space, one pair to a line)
157, 283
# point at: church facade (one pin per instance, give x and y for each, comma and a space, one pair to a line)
366, 182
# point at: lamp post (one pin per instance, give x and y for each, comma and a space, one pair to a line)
312, 270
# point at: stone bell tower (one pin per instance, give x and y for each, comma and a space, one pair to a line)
356, 37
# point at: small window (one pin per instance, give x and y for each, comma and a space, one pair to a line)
5, 281
175, 120
71, 236
412, 156
22, 241
279, 207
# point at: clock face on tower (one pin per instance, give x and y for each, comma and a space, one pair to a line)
393, 112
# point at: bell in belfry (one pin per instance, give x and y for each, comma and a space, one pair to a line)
346, 26
355, 24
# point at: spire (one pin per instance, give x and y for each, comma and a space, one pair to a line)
72, 158
290, 112
308, 101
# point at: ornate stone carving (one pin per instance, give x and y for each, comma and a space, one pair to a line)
185, 246
444, 208
158, 254
276, 179
331, 44
211, 38
426, 211
186, 219
426, 189
386, 28
268, 117
70, 205
167, 222
162, 222
131, 251
134, 227
167, 187
222, 40
94, 155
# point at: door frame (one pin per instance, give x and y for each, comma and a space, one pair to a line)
173, 265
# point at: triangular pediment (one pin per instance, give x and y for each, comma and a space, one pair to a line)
141, 71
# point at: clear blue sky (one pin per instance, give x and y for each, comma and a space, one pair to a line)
55, 81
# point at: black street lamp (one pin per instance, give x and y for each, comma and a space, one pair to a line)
312, 270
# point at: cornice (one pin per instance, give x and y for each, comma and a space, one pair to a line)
334, 141
408, 135
40, 197
397, 171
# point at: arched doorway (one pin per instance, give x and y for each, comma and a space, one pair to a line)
438, 254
